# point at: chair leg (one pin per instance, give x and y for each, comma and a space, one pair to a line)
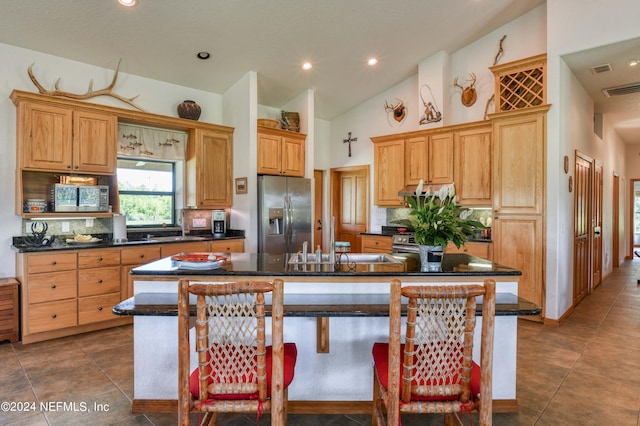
286, 407
209, 419
377, 418
452, 419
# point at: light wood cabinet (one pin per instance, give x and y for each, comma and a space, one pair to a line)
376, 243
440, 165
130, 257
416, 157
389, 172
473, 171
57, 138
9, 310
227, 246
281, 152
98, 284
209, 169
176, 248
478, 249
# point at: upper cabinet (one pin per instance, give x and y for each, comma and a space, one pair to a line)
209, 169
389, 171
58, 138
281, 152
473, 160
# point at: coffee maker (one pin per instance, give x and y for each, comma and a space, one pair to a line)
218, 223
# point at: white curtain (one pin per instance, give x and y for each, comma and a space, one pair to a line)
149, 142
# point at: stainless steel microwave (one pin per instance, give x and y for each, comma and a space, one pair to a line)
79, 198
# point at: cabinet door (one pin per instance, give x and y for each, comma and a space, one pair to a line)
473, 166
214, 170
190, 247
45, 137
518, 181
388, 160
517, 243
269, 154
94, 138
227, 246
416, 157
376, 244
441, 158
292, 161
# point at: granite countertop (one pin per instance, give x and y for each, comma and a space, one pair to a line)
263, 264
106, 240
388, 231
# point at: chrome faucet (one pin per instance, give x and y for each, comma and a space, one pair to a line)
305, 251
332, 236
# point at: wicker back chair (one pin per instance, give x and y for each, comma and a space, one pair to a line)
237, 372
433, 371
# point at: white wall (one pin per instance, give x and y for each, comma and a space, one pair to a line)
600, 22
154, 96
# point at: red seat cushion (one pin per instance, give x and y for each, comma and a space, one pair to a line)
381, 363
290, 356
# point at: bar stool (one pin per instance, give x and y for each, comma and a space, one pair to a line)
437, 374
237, 372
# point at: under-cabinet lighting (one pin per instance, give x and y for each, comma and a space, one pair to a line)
46, 218
481, 265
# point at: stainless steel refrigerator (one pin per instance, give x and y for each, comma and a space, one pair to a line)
284, 205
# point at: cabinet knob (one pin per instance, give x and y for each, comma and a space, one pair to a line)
76, 167
53, 286
99, 308
54, 263
99, 281
142, 256
54, 316
68, 166
100, 259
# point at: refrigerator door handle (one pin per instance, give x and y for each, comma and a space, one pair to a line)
290, 219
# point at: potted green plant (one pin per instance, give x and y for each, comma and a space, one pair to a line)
437, 220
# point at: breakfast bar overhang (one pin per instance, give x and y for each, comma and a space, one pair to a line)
334, 314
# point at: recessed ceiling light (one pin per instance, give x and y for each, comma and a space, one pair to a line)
307, 66
203, 55
633, 62
372, 61
128, 3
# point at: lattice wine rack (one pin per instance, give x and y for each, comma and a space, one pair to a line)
520, 84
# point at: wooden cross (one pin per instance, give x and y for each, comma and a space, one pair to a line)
349, 140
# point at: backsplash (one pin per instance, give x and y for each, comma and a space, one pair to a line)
481, 215
79, 226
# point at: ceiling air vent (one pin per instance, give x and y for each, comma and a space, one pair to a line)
601, 68
626, 89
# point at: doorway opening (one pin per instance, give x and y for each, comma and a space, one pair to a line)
349, 203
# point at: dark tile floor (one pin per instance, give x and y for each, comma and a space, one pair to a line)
582, 373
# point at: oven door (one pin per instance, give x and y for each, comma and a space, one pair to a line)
405, 248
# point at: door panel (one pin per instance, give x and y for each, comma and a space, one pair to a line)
582, 225
596, 255
349, 205
317, 209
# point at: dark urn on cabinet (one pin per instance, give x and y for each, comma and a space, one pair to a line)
189, 109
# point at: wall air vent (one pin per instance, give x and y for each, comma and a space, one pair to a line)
598, 69
626, 89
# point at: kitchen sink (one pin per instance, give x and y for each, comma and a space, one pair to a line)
368, 258
177, 238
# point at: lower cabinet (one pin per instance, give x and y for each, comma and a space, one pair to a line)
130, 257
478, 249
227, 246
375, 243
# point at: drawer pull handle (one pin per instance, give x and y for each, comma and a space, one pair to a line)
53, 286
54, 316
99, 259
142, 256
99, 308
99, 281
54, 263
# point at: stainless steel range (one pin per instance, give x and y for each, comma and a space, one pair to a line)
404, 243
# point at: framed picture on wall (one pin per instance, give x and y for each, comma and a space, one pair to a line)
241, 185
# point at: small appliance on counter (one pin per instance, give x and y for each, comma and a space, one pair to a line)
119, 228
79, 198
218, 223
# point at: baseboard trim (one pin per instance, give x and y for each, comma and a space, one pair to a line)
558, 322
304, 407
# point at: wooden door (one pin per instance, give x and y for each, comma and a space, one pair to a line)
318, 190
596, 252
415, 160
473, 166
616, 221
582, 227
388, 158
349, 203
268, 154
94, 138
441, 158
47, 137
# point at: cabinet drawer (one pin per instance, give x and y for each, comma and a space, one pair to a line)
54, 286
51, 262
52, 316
97, 308
98, 258
227, 246
98, 281
175, 248
376, 244
138, 255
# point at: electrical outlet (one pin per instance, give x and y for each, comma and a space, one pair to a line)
65, 227
89, 223
27, 227
199, 222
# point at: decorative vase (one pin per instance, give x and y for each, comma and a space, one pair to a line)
189, 110
430, 258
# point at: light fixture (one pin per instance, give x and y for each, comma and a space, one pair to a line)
203, 55
307, 66
633, 62
372, 61
128, 3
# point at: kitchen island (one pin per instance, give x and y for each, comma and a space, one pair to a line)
334, 314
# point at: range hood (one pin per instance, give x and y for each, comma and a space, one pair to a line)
410, 190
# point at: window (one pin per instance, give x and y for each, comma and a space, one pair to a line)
147, 192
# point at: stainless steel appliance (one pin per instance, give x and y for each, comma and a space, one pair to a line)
218, 223
79, 198
284, 206
404, 243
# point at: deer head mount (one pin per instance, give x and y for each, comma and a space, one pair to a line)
469, 94
399, 110
107, 91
